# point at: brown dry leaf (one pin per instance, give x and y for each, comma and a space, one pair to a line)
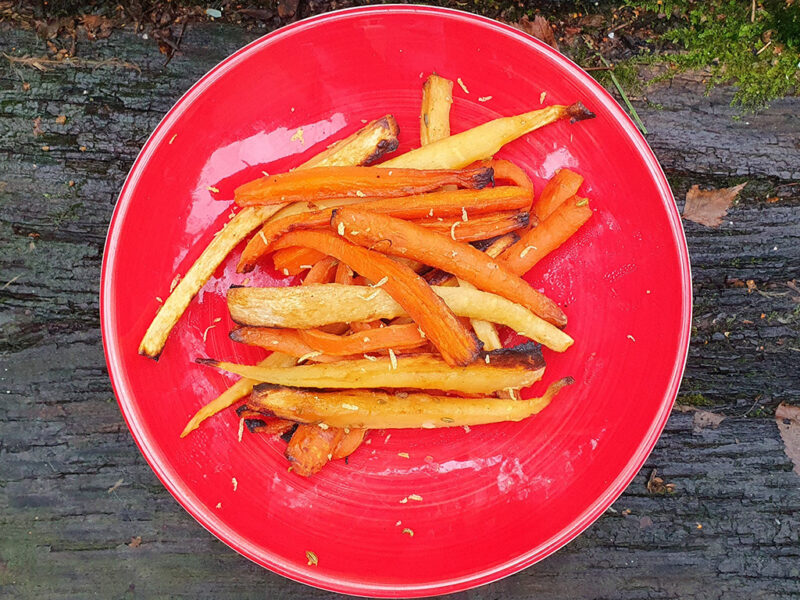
707, 207
97, 26
735, 282
773, 199
61, 119
787, 418
751, 286
37, 127
26, 87
538, 28
135, 542
704, 418
656, 485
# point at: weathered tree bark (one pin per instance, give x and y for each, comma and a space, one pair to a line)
74, 489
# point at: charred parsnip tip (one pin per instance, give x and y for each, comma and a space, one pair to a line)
364, 147
515, 368
377, 409
356, 182
485, 140
236, 392
310, 306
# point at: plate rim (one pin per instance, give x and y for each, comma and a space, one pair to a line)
272, 561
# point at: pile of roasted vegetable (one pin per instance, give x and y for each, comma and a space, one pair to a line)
410, 265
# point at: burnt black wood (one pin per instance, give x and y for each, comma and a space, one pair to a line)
63, 443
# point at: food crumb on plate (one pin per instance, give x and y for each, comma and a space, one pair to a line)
235, 483
219, 504
241, 429
312, 558
211, 188
415, 497
542, 96
404, 500
631, 338
462, 86
484, 98
403, 454
410, 532
172, 139
298, 136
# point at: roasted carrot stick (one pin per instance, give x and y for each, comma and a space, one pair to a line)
322, 271
564, 184
310, 447
432, 205
291, 261
403, 238
352, 182
395, 337
350, 441
287, 341
457, 345
537, 243
481, 227
493, 249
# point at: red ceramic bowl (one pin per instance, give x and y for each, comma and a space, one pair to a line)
496, 499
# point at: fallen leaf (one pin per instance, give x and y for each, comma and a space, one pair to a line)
37, 127
287, 8
26, 87
787, 418
704, 418
707, 207
135, 542
538, 28
656, 485
751, 286
61, 119
97, 26
773, 199
735, 282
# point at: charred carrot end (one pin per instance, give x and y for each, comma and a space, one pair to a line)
564, 184
505, 170
396, 337
549, 235
455, 342
292, 261
352, 182
481, 227
403, 238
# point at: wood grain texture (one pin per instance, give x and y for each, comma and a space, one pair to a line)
63, 443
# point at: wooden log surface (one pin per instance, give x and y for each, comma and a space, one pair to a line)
730, 529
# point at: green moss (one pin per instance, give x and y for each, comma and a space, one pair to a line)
757, 52
694, 399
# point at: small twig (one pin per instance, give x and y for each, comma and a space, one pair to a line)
10, 281
622, 93
589, 69
758, 398
618, 27
42, 62
753, 11
767, 45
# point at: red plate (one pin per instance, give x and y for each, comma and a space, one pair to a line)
496, 499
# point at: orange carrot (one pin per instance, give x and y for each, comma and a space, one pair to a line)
291, 261
321, 271
395, 337
310, 447
493, 249
403, 238
505, 170
350, 441
366, 326
287, 341
564, 184
344, 274
457, 344
432, 205
537, 243
272, 426
481, 227
355, 182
